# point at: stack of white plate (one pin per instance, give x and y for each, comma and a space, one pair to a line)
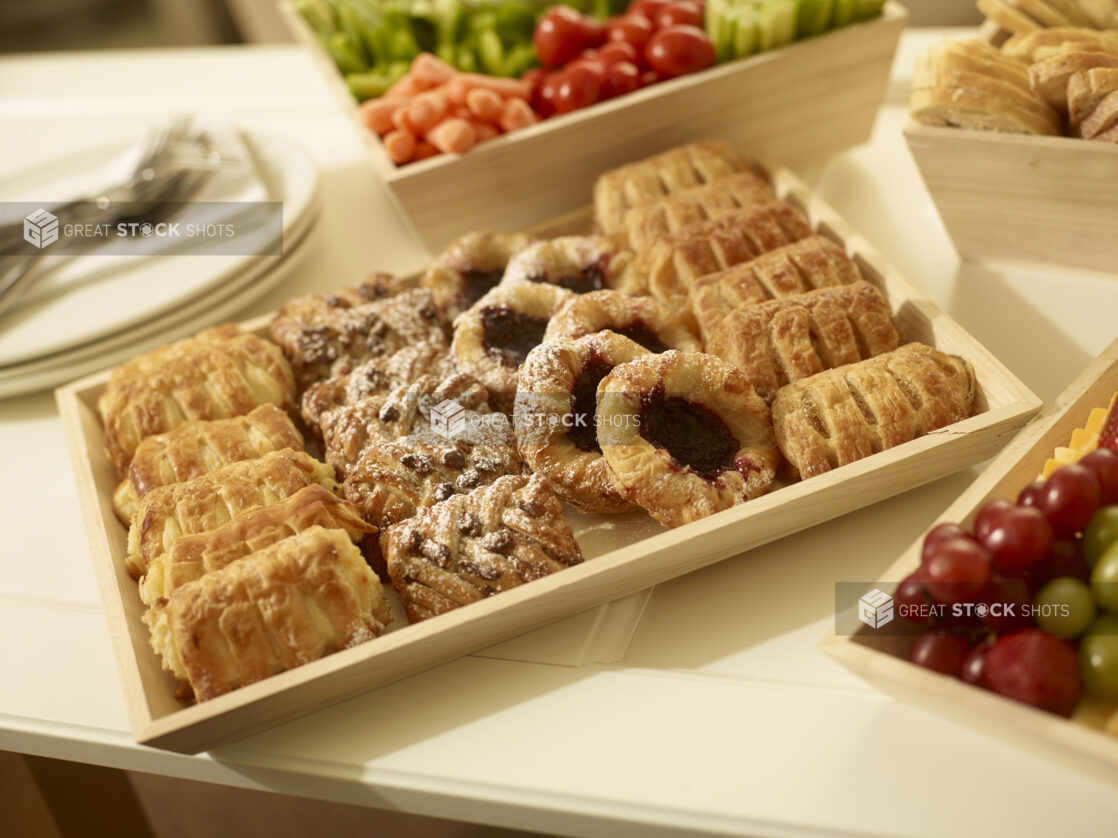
122, 306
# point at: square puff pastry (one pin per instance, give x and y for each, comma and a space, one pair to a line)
207, 502
198, 447
695, 164
218, 373
842, 415
193, 556
273, 610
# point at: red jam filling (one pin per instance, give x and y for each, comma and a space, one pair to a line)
590, 278
695, 437
639, 332
583, 432
477, 283
508, 336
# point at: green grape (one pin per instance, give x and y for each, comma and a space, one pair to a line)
1065, 607
1104, 579
1098, 657
1100, 534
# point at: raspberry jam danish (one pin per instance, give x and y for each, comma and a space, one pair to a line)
641, 319
577, 263
685, 435
469, 268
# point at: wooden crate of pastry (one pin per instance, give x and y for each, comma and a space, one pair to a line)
797, 103
882, 660
637, 554
1017, 197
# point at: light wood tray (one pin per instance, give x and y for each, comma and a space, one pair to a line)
643, 556
882, 660
801, 102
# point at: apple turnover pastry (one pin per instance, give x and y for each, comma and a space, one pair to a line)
473, 546
193, 556
278, 608
218, 373
198, 447
685, 435
493, 338
577, 263
555, 416
814, 262
644, 223
324, 335
842, 415
676, 260
683, 167
781, 341
469, 268
641, 319
205, 503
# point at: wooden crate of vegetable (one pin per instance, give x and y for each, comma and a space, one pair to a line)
793, 80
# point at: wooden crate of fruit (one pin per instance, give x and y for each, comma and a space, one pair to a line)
1037, 533
801, 101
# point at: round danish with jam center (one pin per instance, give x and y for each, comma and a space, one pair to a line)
578, 263
685, 435
555, 416
494, 337
641, 319
470, 267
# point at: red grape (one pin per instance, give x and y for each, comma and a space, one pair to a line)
1065, 558
941, 532
1020, 540
911, 600
1030, 495
1103, 463
1036, 669
956, 570
1070, 498
1009, 605
989, 514
974, 665
940, 651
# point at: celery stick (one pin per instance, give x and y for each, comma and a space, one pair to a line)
746, 36
844, 13
869, 8
814, 17
490, 53
776, 23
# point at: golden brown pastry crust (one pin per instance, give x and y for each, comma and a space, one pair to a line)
781, 341
193, 556
324, 335
493, 338
555, 416
473, 546
814, 262
578, 263
278, 608
842, 415
207, 502
697, 407
198, 447
641, 319
470, 267
218, 373
683, 167
646, 222
676, 260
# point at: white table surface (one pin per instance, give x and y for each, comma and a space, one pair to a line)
722, 718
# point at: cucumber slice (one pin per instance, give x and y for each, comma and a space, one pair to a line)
869, 8
814, 17
776, 23
746, 33
844, 13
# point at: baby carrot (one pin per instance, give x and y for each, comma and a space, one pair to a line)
423, 150
453, 136
427, 110
377, 114
461, 84
402, 120
431, 69
485, 131
400, 146
517, 114
484, 104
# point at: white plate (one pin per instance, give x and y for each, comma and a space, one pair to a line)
141, 288
210, 310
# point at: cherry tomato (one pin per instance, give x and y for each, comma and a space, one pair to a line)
646, 8
678, 50
535, 77
632, 29
581, 86
617, 51
622, 77
593, 32
650, 77
681, 13
543, 98
560, 36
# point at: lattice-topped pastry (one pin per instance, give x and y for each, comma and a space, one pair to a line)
205, 503
695, 164
842, 415
493, 338
814, 262
193, 556
218, 373
200, 446
325, 335
641, 319
676, 260
555, 416
685, 435
781, 341
278, 608
577, 263
645, 222
473, 546
404, 412
469, 267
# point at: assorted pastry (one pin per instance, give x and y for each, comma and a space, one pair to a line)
703, 346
